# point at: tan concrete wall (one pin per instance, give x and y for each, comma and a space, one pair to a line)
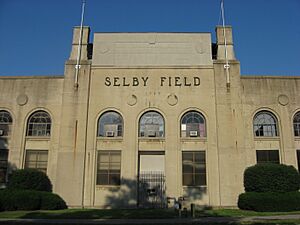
151, 97
22, 96
278, 95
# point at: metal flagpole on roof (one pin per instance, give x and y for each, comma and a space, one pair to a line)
226, 66
77, 67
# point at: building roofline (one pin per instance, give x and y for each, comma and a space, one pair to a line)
33, 77
146, 32
270, 76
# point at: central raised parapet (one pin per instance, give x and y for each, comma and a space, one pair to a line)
152, 49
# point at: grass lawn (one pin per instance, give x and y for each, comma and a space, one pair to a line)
130, 213
91, 214
239, 213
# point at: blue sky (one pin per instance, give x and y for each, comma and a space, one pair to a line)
35, 35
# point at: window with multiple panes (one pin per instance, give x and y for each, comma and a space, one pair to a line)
108, 168
39, 124
265, 125
193, 125
110, 124
296, 124
36, 159
193, 168
267, 156
151, 125
3, 165
5, 123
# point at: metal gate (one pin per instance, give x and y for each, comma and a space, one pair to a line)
152, 189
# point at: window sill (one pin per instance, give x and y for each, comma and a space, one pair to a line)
151, 138
5, 137
297, 138
104, 187
198, 139
38, 137
198, 186
277, 138
110, 138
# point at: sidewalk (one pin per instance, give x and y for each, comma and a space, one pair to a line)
204, 220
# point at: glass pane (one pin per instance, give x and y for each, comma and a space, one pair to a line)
31, 165
200, 168
114, 179
115, 157
187, 179
187, 168
31, 156
102, 179
115, 166
104, 157
43, 156
3, 155
41, 165
103, 171
200, 157
103, 166
274, 156
261, 156
187, 156
200, 179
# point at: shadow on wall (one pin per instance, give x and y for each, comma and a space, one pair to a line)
123, 196
132, 194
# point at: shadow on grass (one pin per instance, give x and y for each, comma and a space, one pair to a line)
103, 214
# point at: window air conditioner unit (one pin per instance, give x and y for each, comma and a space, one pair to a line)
151, 133
193, 133
110, 134
1, 132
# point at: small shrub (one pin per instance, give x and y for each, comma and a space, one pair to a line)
269, 201
50, 201
29, 179
271, 178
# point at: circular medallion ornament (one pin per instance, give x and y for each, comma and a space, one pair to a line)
104, 48
131, 100
22, 99
172, 99
283, 100
199, 48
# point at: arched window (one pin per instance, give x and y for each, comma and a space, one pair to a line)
151, 125
110, 124
5, 123
193, 125
39, 124
265, 125
296, 123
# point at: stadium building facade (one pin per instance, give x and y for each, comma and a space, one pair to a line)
150, 117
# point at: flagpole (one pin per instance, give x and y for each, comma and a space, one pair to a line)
226, 66
77, 67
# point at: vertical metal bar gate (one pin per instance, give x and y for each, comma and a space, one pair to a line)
152, 189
